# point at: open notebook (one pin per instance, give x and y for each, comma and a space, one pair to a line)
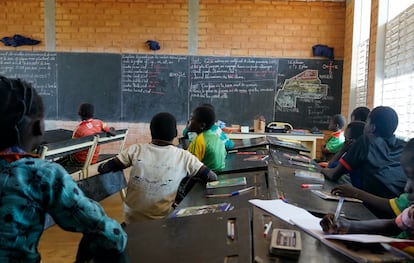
310, 224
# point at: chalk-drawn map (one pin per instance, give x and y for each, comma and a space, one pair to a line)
305, 85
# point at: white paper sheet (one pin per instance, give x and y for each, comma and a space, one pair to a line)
310, 223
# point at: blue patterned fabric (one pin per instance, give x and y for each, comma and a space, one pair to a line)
30, 188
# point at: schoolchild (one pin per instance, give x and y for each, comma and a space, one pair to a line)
401, 225
157, 170
206, 146
336, 140
377, 154
228, 143
31, 187
353, 131
360, 114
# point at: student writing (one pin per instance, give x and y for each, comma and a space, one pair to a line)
31, 187
401, 226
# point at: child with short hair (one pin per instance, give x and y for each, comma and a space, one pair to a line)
336, 140
31, 187
353, 131
89, 126
402, 225
157, 170
228, 143
376, 154
206, 146
360, 114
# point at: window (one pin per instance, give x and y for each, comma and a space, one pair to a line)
397, 90
359, 71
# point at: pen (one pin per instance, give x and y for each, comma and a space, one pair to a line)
282, 197
267, 229
232, 193
311, 186
338, 209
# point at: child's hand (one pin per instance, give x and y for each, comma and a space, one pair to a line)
346, 190
328, 225
111, 132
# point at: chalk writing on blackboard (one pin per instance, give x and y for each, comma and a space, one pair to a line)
37, 68
213, 77
148, 74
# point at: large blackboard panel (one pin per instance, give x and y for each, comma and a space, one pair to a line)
89, 77
37, 68
309, 92
152, 84
239, 88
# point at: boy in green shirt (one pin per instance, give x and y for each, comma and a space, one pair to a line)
206, 146
337, 138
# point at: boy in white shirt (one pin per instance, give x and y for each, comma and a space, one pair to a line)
157, 170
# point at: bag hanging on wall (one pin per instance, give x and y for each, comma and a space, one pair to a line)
323, 51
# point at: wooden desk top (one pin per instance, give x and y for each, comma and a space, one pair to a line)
200, 238
197, 195
284, 181
239, 162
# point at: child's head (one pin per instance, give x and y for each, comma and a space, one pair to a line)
336, 122
360, 114
163, 126
86, 111
354, 130
21, 114
201, 119
407, 163
382, 121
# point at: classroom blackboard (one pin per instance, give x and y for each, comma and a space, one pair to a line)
238, 88
134, 87
92, 78
37, 68
308, 92
152, 84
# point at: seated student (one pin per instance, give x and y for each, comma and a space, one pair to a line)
228, 143
360, 114
157, 170
377, 155
88, 126
336, 140
31, 187
402, 225
206, 146
353, 131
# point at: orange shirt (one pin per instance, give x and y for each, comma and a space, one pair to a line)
86, 128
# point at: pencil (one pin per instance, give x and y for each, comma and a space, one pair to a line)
338, 208
233, 193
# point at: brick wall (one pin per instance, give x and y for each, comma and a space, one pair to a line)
225, 27
25, 17
121, 26
270, 28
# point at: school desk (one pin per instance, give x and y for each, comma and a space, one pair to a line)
312, 249
244, 161
307, 139
198, 194
198, 238
56, 135
286, 185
